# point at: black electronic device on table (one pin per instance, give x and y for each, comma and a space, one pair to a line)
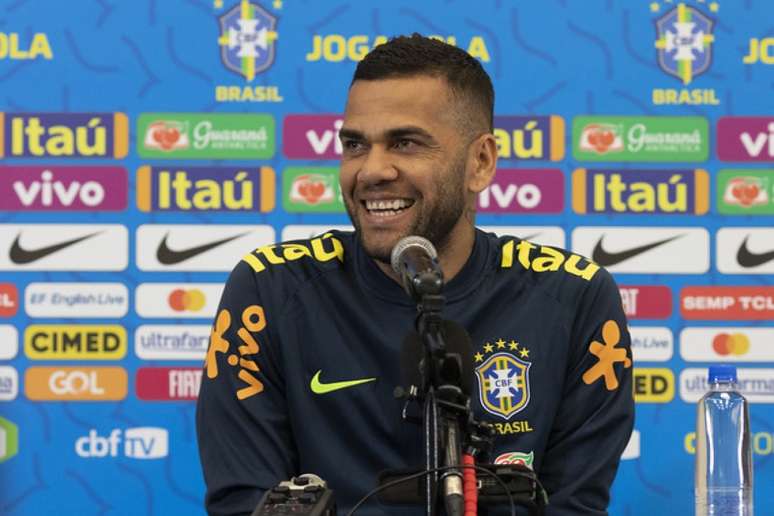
304, 495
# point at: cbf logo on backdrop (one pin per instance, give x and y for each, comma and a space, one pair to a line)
247, 36
684, 47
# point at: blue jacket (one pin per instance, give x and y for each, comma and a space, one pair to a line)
551, 352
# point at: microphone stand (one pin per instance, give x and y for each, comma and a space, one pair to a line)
445, 405
449, 426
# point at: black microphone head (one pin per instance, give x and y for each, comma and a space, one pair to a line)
406, 242
459, 342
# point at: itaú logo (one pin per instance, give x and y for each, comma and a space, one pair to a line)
145, 442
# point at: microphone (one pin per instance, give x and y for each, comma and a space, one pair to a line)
415, 261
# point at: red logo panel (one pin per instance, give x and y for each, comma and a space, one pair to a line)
646, 301
9, 300
727, 303
168, 383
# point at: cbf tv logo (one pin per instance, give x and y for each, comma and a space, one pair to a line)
503, 378
685, 42
247, 37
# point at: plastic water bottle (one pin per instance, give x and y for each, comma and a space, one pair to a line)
723, 455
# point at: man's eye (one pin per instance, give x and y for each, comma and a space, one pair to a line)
352, 145
405, 144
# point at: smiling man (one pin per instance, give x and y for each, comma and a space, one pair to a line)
304, 352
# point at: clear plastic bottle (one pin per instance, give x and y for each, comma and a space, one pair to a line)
723, 481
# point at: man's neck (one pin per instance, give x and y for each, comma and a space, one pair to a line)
452, 257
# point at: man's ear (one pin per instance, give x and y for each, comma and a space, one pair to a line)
483, 154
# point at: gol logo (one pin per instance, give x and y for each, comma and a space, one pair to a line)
181, 300
75, 383
731, 344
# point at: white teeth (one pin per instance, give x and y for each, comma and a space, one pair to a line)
393, 204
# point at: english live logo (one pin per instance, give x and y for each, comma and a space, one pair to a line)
247, 39
684, 45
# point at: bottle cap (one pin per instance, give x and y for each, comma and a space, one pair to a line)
722, 373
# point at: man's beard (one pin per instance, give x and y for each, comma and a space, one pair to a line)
434, 223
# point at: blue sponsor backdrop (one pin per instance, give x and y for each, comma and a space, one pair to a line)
556, 57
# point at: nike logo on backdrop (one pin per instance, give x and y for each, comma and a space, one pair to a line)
606, 259
748, 259
167, 256
323, 388
21, 256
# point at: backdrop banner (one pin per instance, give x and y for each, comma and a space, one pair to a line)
147, 146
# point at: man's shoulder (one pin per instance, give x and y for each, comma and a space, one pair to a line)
560, 273
301, 258
280, 267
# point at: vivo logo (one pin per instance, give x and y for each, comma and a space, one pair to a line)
745, 138
755, 143
49, 188
89, 193
321, 142
138, 443
312, 136
524, 191
527, 196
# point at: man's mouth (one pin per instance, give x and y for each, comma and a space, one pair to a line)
387, 207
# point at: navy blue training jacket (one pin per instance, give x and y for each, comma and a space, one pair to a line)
551, 352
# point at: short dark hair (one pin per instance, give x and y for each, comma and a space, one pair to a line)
406, 56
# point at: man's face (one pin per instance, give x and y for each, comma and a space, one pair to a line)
403, 167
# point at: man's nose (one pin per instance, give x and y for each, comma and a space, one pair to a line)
377, 167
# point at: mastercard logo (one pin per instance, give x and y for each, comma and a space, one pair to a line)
181, 300
731, 344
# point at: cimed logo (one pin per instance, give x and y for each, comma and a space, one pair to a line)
684, 41
247, 37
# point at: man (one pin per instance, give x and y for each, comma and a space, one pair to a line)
304, 353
